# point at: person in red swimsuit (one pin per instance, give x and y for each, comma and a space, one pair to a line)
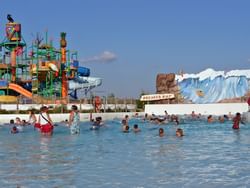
237, 120
46, 124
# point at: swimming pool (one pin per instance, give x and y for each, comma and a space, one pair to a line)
209, 155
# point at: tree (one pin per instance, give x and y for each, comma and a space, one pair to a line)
140, 104
111, 98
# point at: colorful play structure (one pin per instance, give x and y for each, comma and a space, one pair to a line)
41, 73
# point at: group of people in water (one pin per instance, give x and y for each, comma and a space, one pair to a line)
125, 126
174, 119
237, 120
45, 124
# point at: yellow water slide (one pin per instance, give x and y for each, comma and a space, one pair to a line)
20, 90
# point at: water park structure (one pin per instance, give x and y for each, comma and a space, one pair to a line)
41, 73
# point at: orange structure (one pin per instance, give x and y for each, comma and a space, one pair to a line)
63, 44
20, 90
13, 65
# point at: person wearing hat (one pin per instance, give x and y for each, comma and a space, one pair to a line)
45, 121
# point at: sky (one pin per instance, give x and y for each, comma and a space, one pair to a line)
128, 42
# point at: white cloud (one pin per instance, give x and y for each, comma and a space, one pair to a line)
104, 57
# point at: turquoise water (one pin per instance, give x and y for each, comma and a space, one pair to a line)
209, 155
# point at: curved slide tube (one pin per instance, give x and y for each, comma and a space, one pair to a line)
20, 90
84, 83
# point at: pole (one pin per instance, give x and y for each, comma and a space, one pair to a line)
63, 44
13, 65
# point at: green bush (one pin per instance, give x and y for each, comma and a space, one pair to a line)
86, 111
3, 111
22, 112
59, 109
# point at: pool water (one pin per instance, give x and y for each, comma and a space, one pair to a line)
209, 155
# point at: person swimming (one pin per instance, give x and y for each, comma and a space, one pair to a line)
14, 130
97, 123
161, 132
179, 132
12, 121
136, 128
210, 119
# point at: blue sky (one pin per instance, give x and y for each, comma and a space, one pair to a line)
127, 43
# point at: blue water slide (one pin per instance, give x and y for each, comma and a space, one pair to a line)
84, 83
75, 64
83, 71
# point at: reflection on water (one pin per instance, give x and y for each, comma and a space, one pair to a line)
44, 148
207, 156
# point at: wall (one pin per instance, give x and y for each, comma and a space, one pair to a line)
205, 109
80, 106
5, 118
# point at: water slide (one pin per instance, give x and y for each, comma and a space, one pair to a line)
20, 90
83, 82
80, 83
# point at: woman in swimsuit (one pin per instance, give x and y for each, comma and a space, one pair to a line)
74, 120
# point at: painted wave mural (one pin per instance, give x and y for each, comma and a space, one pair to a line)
212, 86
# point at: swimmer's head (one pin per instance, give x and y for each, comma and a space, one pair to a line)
74, 107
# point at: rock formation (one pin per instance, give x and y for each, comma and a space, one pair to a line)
165, 83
